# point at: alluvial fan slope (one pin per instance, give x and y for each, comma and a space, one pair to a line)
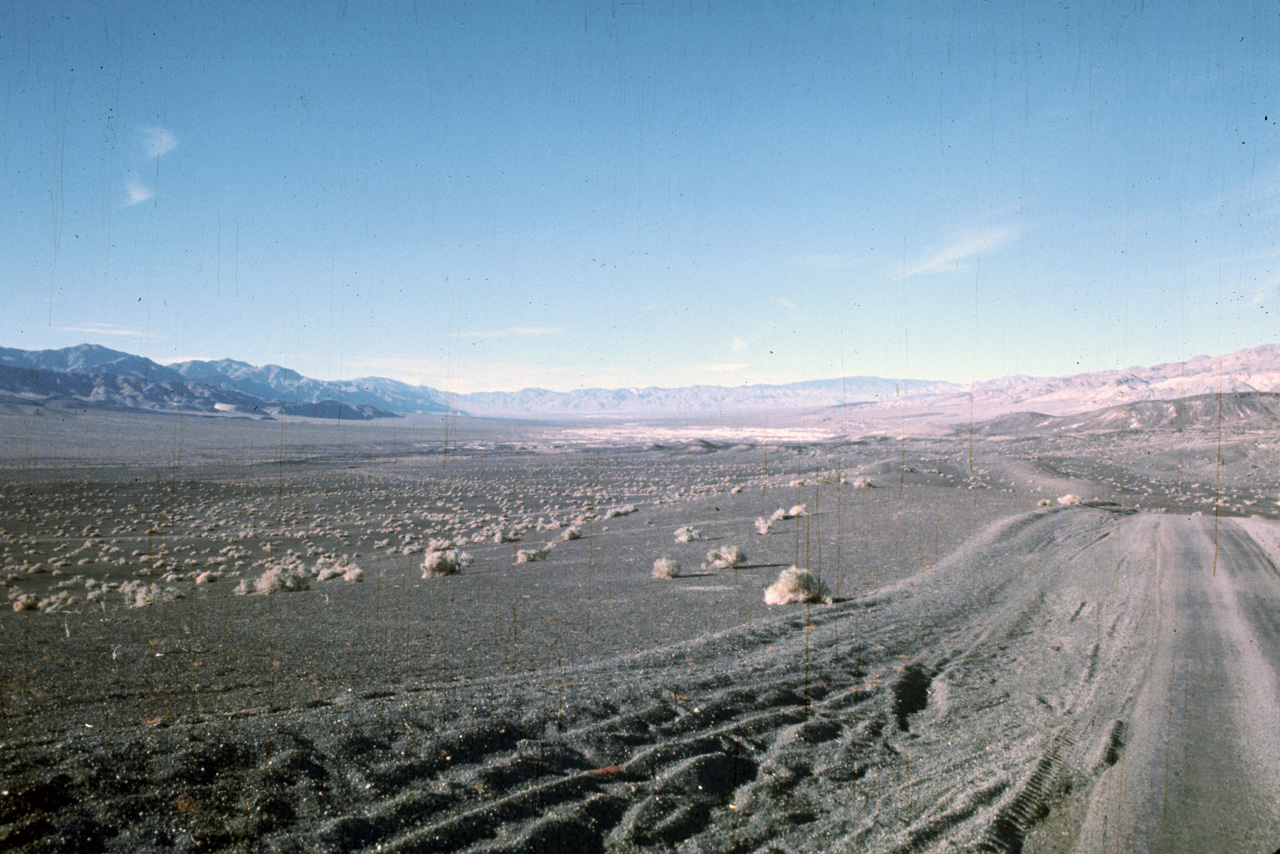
1043, 688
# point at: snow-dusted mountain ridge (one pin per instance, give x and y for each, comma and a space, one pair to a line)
1252, 369
276, 382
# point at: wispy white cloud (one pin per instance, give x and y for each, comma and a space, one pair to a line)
155, 142
738, 345
106, 329
509, 332
963, 248
784, 302
136, 192
158, 142
1265, 292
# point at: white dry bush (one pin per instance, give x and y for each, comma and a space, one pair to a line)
623, 510
797, 511
26, 602
530, 555
139, 594
285, 577
797, 585
442, 562
1069, 499
665, 567
863, 483
725, 557
763, 525
1045, 502
687, 534
60, 601
573, 532
342, 567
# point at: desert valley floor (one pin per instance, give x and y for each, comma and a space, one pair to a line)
1035, 641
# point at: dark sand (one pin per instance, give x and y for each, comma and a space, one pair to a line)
988, 671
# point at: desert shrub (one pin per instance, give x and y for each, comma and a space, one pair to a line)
328, 568
26, 602
139, 594
283, 578
623, 510
665, 567
797, 585
442, 562
1069, 499
783, 513
687, 534
573, 532
60, 601
763, 525
530, 555
725, 557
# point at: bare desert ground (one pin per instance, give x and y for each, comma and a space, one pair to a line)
241, 635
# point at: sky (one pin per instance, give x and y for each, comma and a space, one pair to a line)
492, 196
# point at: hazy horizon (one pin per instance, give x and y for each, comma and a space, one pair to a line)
917, 382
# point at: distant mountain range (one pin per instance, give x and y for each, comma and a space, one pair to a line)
98, 376
93, 376
1254, 369
273, 382
90, 375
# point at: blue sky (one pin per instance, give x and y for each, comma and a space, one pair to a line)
495, 195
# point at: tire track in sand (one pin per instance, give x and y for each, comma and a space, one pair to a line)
1199, 767
968, 708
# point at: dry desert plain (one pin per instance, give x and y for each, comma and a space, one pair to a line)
222, 637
